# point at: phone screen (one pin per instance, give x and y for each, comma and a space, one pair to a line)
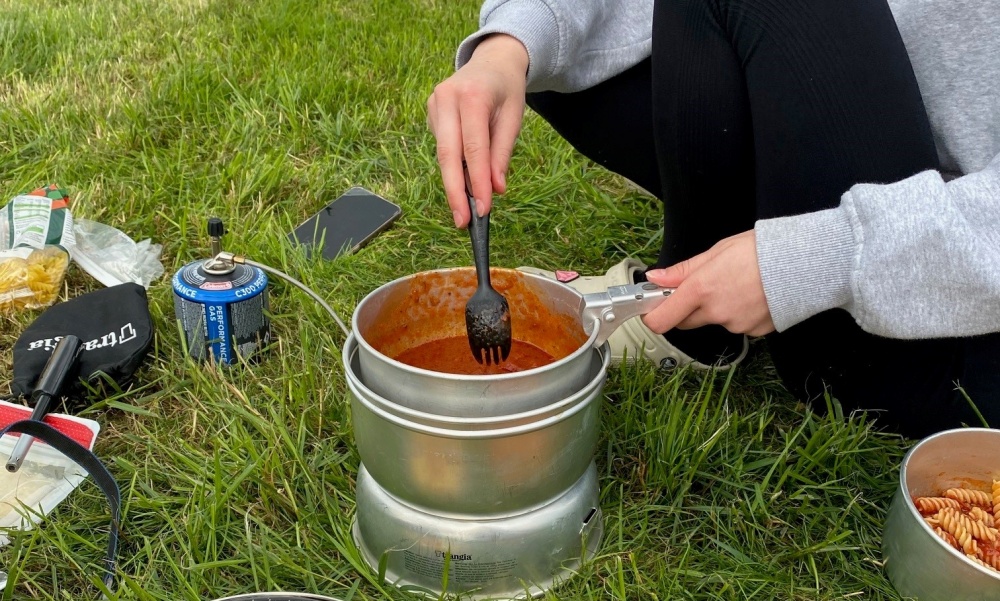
346, 224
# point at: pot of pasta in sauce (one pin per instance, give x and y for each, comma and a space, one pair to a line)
413, 349
941, 540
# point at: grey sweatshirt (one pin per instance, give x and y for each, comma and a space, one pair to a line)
911, 259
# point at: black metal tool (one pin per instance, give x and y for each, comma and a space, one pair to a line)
58, 368
487, 314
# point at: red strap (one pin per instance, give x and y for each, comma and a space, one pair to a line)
79, 432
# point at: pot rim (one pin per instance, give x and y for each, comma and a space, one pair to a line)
489, 378
264, 595
502, 432
912, 508
350, 350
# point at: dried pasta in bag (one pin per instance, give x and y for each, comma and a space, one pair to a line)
36, 234
33, 282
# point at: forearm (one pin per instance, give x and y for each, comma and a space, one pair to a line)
913, 259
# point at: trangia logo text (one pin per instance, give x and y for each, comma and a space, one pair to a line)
126, 333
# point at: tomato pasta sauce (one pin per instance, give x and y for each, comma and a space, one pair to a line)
423, 324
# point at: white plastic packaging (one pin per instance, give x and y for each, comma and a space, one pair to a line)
45, 479
46, 476
112, 258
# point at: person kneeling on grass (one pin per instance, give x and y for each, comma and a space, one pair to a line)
802, 150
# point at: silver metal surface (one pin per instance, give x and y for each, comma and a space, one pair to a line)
21, 448
495, 557
920, 564
221, 262
610, 309
600, 361
472, 396
279, 596
454, 468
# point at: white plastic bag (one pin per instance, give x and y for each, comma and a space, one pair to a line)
112, 258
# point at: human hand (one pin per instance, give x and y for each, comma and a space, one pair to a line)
720, 286
476, 115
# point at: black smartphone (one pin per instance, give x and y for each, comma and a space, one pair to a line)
346, 224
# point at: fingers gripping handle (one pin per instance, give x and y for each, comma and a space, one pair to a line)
479, 232
609, 309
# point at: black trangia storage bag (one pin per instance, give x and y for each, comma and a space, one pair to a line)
113, 323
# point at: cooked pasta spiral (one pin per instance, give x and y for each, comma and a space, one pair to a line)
978, 561
977, 529
952, 522
947, 536
970, 496
991, 558
931, 505
966, 519
980, 514
996, 500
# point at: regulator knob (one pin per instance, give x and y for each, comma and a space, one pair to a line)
216, 229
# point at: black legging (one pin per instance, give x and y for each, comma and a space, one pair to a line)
753, 109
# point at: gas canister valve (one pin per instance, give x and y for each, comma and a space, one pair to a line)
221, 262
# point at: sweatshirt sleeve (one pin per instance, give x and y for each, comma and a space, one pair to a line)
919, 258
572, 44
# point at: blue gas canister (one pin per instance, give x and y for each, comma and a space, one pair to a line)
222, 307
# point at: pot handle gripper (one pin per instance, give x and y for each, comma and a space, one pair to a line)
609, 309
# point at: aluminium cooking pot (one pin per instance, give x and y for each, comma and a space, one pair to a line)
919, 563
495, 467
418, 309
599, 365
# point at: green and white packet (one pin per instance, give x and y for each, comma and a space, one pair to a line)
31, 222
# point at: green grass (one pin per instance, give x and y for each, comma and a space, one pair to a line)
158, 115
